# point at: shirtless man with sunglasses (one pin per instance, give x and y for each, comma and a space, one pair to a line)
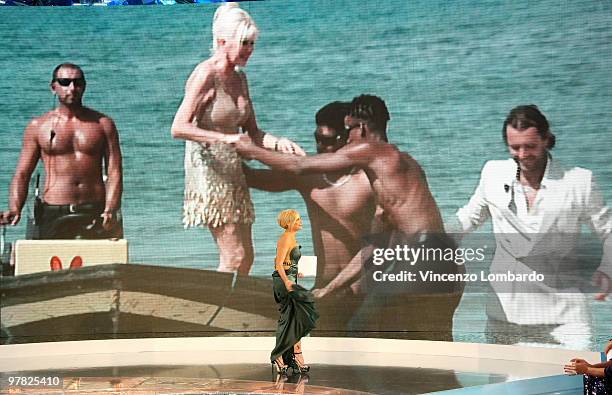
340, 206
75, 143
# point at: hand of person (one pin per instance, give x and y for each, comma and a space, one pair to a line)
300, 275
287, 146
576, 366
108, 220
317, 293
9, 217
289, 286
581, 366
320, 293
244, 145
601, 280
356, 287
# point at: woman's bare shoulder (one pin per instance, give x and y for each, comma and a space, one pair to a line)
286, 239
203, 74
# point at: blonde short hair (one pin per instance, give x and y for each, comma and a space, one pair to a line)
233, 23
287, 218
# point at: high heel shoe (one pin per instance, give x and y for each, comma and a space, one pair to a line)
280, 368
298, 365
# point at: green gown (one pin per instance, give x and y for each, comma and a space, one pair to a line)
298, 314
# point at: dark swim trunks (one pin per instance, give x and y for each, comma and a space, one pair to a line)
71, 221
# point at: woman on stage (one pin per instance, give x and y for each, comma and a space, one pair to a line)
296, 305
215, 107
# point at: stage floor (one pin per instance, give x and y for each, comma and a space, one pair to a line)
258, 379
234, 366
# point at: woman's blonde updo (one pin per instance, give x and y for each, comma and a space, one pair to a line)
233, 23
287, 218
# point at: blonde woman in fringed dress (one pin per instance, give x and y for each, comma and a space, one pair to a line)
215, 107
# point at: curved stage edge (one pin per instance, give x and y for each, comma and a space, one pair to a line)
339, 366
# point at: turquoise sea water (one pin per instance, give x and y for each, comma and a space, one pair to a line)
449, 72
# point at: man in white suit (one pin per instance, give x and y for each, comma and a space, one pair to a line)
538, 207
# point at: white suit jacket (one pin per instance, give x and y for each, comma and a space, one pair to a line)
567, 199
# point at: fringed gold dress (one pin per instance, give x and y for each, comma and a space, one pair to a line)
216, 192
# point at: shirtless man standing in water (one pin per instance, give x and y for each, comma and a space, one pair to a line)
411, 218
73, 142
340, 206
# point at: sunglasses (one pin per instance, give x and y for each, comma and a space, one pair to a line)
67, 81
328, 140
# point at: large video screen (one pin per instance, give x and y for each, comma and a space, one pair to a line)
449, 73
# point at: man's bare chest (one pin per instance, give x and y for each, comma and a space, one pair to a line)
70, 137
351, 200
